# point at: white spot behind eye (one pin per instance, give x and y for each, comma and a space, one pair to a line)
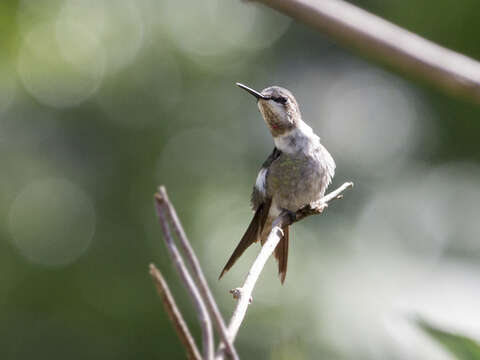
52, 222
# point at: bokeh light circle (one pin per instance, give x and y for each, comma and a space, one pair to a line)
225, 26
369, 118
424, 214
144, 93
60, 69
118, 25
52, 222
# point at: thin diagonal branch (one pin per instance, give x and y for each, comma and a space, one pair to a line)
198, 272
244, 294
318, 207
204, 318
175, 315
447, 70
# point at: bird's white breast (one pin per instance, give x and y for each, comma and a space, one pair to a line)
300, 138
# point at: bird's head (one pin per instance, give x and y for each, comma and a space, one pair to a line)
278, 107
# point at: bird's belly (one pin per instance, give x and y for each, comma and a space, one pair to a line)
295, 181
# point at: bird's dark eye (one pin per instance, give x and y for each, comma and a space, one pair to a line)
280, 99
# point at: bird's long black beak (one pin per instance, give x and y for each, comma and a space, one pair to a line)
253, 92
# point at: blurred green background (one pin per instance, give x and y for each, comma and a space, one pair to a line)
101, 101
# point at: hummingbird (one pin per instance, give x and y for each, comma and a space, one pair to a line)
297, 172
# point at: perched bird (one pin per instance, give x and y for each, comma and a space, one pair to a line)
297, 172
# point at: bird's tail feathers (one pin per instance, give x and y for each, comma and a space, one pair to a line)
251, 235
281, 251
281, 254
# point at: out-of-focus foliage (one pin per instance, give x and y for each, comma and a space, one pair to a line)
461, 346
101, 101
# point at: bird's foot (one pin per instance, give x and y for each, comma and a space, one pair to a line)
317, 207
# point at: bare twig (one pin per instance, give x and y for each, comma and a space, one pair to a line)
198, 272
244, 294
448, 70
175, 315
317, 208
205, 321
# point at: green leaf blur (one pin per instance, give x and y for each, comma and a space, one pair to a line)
461, 346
